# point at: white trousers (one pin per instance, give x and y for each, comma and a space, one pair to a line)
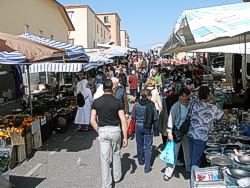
185, 145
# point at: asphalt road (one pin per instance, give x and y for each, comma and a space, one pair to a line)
72, 160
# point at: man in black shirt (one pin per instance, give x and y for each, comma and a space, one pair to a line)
110, 114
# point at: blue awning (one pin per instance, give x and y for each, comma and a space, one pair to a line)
13, 58
73, 53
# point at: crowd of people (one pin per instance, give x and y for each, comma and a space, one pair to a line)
162, 98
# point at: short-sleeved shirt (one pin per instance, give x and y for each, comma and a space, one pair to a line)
107, 108
202, 118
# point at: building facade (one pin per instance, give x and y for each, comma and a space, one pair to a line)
112, 21
124, 39
89, 29
46, 18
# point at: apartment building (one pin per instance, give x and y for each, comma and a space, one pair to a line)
112, 21
124, 38
46, 18
89, 29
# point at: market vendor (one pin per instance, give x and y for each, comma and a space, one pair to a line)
202, 117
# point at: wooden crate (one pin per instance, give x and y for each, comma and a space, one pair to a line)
28, 143
13, 157
37, 139
21, 153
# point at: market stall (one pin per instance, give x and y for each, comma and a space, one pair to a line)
226, 161
20, 132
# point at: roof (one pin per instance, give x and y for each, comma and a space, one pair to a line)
109, 13
64, 14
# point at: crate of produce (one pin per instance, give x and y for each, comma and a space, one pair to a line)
21, 153
37, 139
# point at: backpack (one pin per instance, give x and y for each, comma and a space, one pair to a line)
80, 100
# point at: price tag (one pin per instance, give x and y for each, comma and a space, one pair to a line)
35, 126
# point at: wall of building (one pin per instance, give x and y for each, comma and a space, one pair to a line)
39, 15
124, 38
114, 27
79, 19
91, 29
85, 22
103, 34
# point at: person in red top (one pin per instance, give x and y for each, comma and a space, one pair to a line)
133, 81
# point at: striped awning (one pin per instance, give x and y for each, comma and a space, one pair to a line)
73, 53
96, 60
13, 58
56, 67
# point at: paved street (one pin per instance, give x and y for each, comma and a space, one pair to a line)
72, 160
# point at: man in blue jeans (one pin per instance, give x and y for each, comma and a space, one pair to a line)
110, 114
145, 113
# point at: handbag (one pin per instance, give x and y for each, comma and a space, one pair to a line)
131, 127
184, 128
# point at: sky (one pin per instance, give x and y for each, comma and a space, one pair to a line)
147, 22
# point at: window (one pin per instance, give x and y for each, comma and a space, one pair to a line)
101, 31
26, 28
40, 33
106, 19
97, 28
71, 14
52, 37
104, 34
71, 41
93, 44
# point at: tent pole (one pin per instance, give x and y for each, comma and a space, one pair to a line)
245, 53
29, 89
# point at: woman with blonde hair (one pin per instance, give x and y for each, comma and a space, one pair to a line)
151, 85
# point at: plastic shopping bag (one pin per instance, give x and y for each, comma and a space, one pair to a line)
167, 155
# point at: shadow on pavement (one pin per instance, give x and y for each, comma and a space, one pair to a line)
70, 141
155, 153
127, 165
25, 182
180, 170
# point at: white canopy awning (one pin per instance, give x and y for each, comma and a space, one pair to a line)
210, 27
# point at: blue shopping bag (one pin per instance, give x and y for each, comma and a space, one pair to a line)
167, 155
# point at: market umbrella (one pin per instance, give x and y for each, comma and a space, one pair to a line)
33, 51
73, 53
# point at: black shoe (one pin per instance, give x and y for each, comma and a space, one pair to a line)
141, 163
147, 170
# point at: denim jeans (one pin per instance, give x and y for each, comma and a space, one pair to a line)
110, 145
144, 141
186, 151
197, 147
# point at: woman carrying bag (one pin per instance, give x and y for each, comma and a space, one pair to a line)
176, 118
145, 116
